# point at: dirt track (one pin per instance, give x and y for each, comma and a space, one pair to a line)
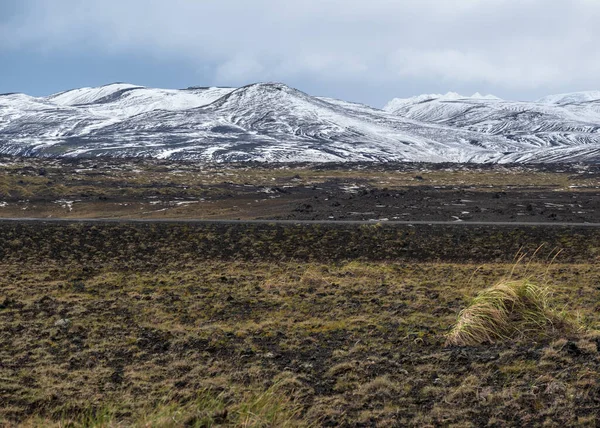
301, 222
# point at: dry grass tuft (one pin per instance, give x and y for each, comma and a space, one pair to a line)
509, 308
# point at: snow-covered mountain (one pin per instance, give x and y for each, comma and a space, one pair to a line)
272, 122
558, 127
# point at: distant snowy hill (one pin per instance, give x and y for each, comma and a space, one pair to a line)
575, 97
271, 122
560, 128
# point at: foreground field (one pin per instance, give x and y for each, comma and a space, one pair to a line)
289, 344
244, 324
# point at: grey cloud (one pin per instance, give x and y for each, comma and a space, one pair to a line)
514, 46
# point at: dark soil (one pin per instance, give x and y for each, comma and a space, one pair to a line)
423, 203
154, 244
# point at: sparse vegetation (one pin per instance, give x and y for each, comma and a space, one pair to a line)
305, 343
270, 408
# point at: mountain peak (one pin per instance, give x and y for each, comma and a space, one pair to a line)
271, 86
256, 94
478, 96
90, 95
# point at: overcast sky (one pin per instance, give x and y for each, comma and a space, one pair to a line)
360, 50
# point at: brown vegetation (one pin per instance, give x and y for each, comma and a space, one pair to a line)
181, 324
296, 343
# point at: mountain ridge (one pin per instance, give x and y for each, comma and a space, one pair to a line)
273, 122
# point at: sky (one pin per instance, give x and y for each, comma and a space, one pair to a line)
367, 51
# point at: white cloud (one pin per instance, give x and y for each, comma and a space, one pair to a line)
507, 44
240, 70
456, 66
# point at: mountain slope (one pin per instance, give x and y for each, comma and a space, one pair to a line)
545, 125
271, 122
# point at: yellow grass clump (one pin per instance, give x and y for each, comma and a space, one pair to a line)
509, 308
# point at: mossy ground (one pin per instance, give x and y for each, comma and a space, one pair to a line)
294, 343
